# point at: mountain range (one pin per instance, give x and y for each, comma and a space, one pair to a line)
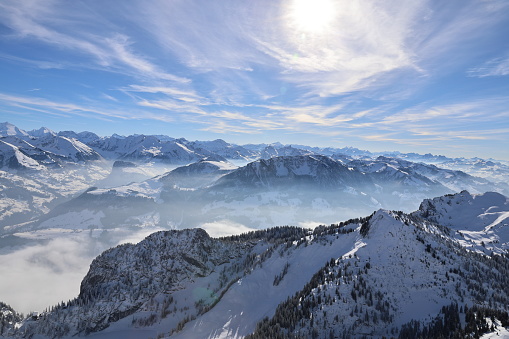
389, 274
117, 182
83, 146
431, 260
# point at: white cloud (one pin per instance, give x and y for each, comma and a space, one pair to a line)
365, 39
66, 109
39, 276
254, 66
224, 228
494, 67
48, 23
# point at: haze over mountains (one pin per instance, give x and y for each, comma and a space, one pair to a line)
57, 166
437, 239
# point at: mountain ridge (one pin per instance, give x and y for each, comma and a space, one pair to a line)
363, 276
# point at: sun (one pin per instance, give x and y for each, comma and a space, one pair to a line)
312, 16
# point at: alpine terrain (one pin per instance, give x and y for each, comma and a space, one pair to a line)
380, 245
441, 271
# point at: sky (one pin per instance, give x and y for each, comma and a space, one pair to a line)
383, 75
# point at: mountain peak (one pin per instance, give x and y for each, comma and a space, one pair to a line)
474, 212
42, 132
8, 129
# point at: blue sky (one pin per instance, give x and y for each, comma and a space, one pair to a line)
414, 76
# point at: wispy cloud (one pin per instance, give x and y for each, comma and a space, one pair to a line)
42, 64
473, 111
109, 97
374, 71
364, 40
32, 19
223, 127
66, 109
178, 93
493, 67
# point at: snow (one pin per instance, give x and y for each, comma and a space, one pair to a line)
7, 129
481, 220
84, 219
41, 132
253, 298
407, 258
223, 165
499, 333
10, 151
150, 189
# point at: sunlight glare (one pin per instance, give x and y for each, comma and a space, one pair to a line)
313, 15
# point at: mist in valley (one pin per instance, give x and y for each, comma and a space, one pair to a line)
88, 209
41, 274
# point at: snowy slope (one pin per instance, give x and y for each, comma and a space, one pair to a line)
8, 129
67, 148
271, 151
481, 220
26, 197
384, 275
146, 148
41, 132
44, 158
12, 158
224, 149
403, 273
198, 174
84, 137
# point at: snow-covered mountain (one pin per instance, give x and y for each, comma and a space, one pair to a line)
224, 149
492, 170
198, 174
266, 192
390, 274
44, 148
271, 152
70, 150
13, 158
9, 318
165, 149
315, 187
315, 170
41, 133
84, 137
8, 129
145, 148
423, 175
393, 274
482, 220
44, 159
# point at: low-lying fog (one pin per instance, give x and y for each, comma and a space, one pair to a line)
38, 276
45, 272
35, 277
